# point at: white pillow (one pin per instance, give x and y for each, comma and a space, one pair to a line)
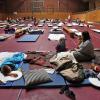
4, 79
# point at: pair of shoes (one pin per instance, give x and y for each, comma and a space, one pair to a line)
62, 90
70, 94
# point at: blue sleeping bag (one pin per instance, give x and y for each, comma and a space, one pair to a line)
15, 60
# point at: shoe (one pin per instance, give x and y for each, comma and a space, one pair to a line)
70, 94
62, 90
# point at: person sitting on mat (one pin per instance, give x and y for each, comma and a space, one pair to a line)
61, 47
11, 62
84, 52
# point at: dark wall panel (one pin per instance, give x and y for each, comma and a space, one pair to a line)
19, 5
49, 5
66, 5
97, 4
2, 6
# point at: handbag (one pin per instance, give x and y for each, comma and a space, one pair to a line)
74, 73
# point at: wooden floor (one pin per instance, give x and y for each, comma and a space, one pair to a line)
43, 44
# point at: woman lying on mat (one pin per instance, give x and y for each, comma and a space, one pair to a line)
10, 62
84, 52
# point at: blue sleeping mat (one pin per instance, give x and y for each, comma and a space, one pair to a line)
57, 81
85, 82
28, 38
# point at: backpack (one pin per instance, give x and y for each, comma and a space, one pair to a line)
72, 72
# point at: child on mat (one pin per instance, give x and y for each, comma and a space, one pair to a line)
10, 62
6, 70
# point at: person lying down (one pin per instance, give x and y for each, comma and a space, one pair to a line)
12, 76
9, 61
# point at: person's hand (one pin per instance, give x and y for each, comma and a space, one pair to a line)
79, 40
13, 75
72, 49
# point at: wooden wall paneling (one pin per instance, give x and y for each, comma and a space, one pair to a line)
80, 16
97, 3
2, 10
19, 5
51, 15
55, 15
51, 5
65, 5
24, 8
93, 16
2, 16
89, 16
91, 4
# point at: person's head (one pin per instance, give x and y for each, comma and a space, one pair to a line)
7, 68
85, 36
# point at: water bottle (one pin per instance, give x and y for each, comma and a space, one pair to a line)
92, 64
95, 67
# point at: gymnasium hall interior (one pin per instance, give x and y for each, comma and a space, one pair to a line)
50, 49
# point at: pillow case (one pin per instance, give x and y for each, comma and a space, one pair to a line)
36, 76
